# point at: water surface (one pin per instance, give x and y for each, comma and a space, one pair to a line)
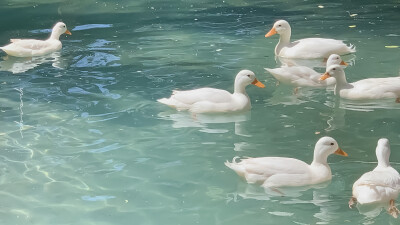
83, 140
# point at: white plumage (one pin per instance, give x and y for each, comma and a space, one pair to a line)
281, 172
367, 89
307, 48
303, 76
32, 47
381, 185
212, 100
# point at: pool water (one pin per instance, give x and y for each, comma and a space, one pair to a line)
84, 141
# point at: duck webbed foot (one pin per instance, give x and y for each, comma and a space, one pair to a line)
352, 201
392, 209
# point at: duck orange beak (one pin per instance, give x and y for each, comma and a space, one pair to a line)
325, 76
258, 83
343, 63
68, 32
340, 152
271, 32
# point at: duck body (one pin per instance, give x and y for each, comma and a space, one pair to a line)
372, 88
299, 76
208, 100
367, 89
308, 48
303, 76
280, 172
288, 172
33, 47
381, 185
212, 100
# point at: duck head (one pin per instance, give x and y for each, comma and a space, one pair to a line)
324, 147
246, 77
335, 71
58, 29
280, 27
335, 59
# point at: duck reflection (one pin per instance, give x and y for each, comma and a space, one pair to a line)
19, 65
203, 121
317, 195
372, 210
257, 192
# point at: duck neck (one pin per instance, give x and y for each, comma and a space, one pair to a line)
319, 158
341, 83
284, 40
383, 161
55, 36
240, 89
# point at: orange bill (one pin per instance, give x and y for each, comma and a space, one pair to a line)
271, 32
325, 76
340, 152
68, 32
343, 63
258, 83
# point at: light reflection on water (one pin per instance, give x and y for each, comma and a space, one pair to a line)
91, 145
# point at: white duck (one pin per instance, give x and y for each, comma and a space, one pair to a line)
367, 89
32, 47
381, 185
280, 172
303, 76
307, 48
209, 100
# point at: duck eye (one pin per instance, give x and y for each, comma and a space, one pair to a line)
248, 75
279, 25
334, 69
332, 143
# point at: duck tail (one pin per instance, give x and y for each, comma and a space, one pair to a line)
164, 101
268, 69
352, 48
235, 166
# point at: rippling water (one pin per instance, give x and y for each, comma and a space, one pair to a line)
83, 140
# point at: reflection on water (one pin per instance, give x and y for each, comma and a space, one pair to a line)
315, 195
363, 106
257, 192
20, 65
204, 121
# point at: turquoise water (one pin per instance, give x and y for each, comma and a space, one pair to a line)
83, 140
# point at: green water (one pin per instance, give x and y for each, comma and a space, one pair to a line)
83, 140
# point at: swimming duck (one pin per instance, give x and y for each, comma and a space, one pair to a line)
210, 100
32, 47
274, 172
303, 76
379, 185
307, 48
367, 89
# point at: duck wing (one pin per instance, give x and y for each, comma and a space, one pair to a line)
378, 87
316, 48
388, 178
257, 170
